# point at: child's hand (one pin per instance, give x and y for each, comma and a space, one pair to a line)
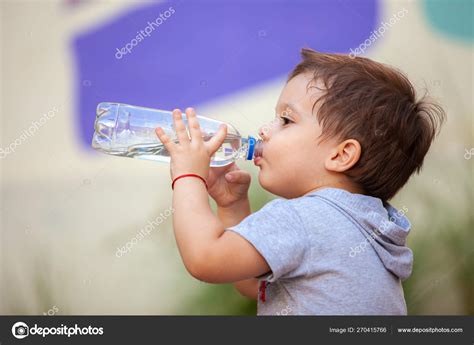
190, 155
228, 185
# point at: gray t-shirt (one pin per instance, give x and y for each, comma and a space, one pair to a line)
330, 252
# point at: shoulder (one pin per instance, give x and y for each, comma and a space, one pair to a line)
305, 211
310, 207
280, 208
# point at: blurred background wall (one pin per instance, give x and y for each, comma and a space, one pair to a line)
66, 209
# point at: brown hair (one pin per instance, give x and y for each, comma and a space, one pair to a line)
376, 105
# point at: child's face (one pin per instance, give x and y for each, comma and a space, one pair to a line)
293, 160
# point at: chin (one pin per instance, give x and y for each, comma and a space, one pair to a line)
264, 181
261, 179
269, 185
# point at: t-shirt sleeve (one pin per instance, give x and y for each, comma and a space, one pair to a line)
277, 232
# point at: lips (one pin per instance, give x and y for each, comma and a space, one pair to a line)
258, 155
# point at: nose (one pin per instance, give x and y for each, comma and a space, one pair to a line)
264, 132
260, 133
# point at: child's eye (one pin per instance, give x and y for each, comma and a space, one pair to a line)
286, 120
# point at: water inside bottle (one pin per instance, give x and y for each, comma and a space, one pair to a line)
129, 131
230, 150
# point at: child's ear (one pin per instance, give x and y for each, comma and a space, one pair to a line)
343, 156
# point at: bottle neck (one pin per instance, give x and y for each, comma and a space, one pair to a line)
251, 147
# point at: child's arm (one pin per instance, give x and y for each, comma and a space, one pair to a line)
233, 215
209, 253
248, 288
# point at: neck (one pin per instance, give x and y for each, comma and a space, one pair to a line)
343, 183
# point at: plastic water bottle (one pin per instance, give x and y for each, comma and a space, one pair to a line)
129, 131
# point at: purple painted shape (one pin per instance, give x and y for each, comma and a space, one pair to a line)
207, 49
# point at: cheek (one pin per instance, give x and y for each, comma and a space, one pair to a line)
289, 149
294, 156
282, 161
279, 148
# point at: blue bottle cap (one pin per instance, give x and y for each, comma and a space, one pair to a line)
251, 142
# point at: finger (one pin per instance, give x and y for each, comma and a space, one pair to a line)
238, 177
165, 139
216, 141
180, 127
194, 127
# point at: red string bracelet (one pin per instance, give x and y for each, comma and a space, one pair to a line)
185, 175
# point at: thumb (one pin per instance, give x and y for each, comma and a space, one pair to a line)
239, 177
